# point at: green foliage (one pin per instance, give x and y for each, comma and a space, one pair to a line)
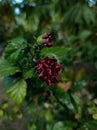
88, 15
64, 98
90, 124
85, 34
68, 104
80, 14
30, 73
17, 91
7, 69
15, 49
58, 52
59, 125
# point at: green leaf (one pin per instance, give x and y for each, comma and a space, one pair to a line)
17, 91
58, 51
78, 85
15, 56
76, 98
64, 98
48, 127
85, 34
40, 40
74, 14
60, 126
18, 42
67, 101
6, 83
89, 125
30, 73
15, 49
88, 15
15, 44
7, 69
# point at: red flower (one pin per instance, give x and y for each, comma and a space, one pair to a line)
48, 70
47, 38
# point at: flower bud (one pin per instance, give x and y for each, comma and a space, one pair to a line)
48, 70
40, 40
45, 40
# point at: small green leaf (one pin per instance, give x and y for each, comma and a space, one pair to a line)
78, 85
15, 56
7, 69
94, 116
49, 116
30, 73
65, 99
15, 49
48, 127
40, 41
76, 98
17, 91
85, 34
59, 126
58, 51
15, 44
88, 15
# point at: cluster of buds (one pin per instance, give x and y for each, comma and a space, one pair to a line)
48, 70
47, 40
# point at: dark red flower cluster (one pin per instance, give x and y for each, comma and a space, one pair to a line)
47, 40
48, 70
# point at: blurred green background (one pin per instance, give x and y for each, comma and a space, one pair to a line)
73, 24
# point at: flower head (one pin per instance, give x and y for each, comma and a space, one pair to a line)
47, 40
48, 70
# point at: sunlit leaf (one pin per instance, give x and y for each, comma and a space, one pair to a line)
15, 49
60, 126
64, 98
94, 116
85, 34
17, 91
58, 51
7, 69
88, 15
